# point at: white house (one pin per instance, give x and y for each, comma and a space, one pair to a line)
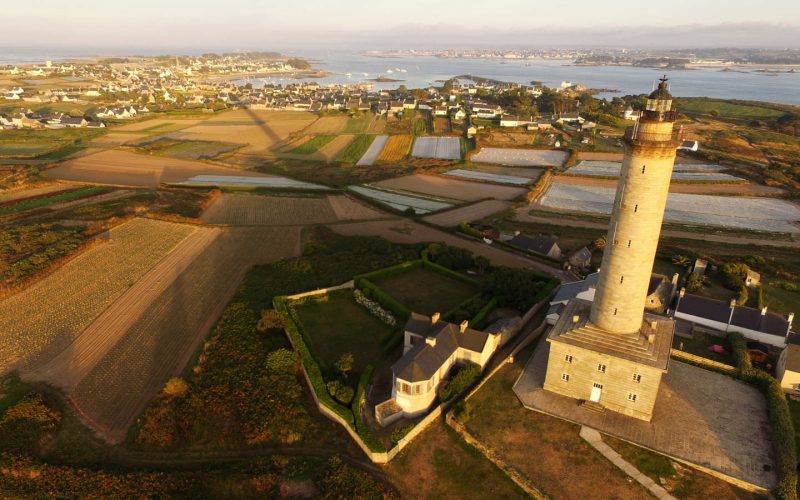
689, 146
788, 369
759, 325
515, 121
430, 350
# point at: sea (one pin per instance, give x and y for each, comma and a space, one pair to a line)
354, 66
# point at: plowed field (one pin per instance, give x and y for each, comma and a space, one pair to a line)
253, 210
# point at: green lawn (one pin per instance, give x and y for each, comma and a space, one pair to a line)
337, 325
313, 145
424, 291
779, 300
726, 109
356, 149
26, 148
700, 344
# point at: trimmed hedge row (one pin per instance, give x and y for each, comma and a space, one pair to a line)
388, 272
478, 319
783, 436
432, 266
372, 442
467, 309
297, 337
373, 292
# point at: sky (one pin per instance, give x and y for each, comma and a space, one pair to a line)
247, 24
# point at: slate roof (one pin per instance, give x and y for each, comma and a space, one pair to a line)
536, 244
423, 360
743, 317
571, 290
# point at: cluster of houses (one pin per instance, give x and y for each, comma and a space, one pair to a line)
28, 119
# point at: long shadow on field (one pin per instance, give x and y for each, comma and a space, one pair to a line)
264, 126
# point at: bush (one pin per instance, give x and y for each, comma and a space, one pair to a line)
464, 377
450, 257
518, 288
176, 388
401, 432
366, 435
466, 310
695, 282
270, 320
23, 425
783, 434
734, 275
341, 392
480, 317
282, 361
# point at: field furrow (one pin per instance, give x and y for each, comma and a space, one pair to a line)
52, 312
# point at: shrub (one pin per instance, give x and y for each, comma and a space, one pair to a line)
341, 392
176, 388
517, 288
695, 282
788, 286
401, 432
464, 377
270, 320
783, 433
372, 442
344, 364
282, 361
743, 296
480, 317
450, 257
23, 425
462, 410
466, 310
734, 275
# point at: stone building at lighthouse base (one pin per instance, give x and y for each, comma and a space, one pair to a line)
620, 372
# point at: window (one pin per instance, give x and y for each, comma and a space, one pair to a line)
615, 311
643, 167
621, 279
629, 243
417, 388
636, 208
637, 378
565, 377
405, 389
632, 397
568, 358
597, 386
601, 368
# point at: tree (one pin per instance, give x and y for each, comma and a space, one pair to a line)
695, 282
600, 242
734, 275
682, 260
176, 388
482, 263
344, 364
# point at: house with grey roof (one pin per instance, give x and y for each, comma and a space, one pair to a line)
431, 348
759, 325
537, 244
788, 369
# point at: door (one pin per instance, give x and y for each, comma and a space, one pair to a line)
597, 389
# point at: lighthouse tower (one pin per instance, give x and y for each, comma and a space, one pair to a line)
608, 352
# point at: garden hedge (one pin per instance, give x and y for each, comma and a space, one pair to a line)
373, 292
390, 271
432, 266
478, 319
783, 436
372, 441
296, 335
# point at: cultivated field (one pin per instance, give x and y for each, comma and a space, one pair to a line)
490, 177
160, 125
112, 139
691, 172
131, 169
259, 131
521, 157
160, 343
327, 125
254, 210
443, 148
333, 149
70, 366
757, 214
251, 182
187, 150
374, 151
473, 212
396, 148
400, 200
42, 320
725, 188
453, 189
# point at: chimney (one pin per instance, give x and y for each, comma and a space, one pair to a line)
651, 339
733, 302
790, 318
431, 341
435, 318
576, 318
654, 325
463, 326
764, 311
682, 292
